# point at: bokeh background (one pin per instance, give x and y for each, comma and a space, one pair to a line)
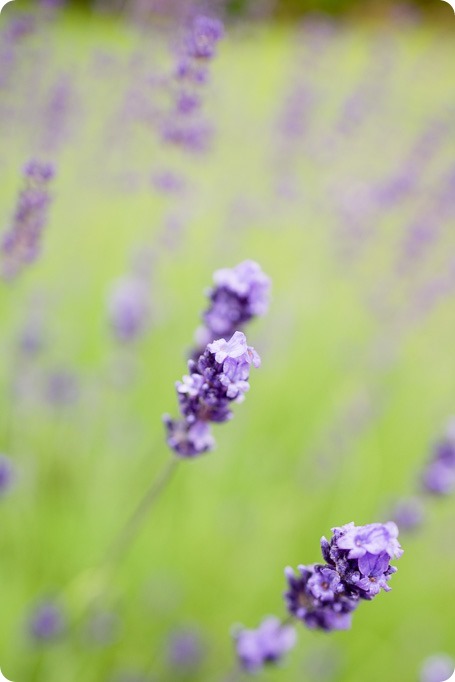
325, 151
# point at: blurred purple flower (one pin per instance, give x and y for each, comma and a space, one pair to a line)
409, 513
21, 244
267, 644
46, 622
437, 668
438, 476
203, 37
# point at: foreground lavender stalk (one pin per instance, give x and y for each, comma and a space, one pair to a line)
324, 596
21, 244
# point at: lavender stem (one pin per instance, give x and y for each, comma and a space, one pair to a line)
129, 531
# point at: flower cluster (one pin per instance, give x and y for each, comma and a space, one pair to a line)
240, 294
357, 567
267, 644
216, 379
186, 126
22, 242
439, 474
324, 596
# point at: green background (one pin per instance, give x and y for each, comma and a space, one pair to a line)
357, 377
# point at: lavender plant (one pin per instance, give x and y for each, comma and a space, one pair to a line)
21, 244
324, 596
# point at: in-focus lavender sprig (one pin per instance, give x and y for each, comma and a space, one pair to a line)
21, 244
324, 596
216, 379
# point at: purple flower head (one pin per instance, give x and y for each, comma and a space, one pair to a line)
203, 37
267, 644
218, 377
46, 622
239, 294
6, 474
437, 668
318, 598
128, 308
361, 555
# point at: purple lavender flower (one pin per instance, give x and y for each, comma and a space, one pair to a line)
267, 644
318, 597
361, 555
216, 379
128, 308
239, 294
21, 244
437, 668
6, 474
439, 475
46, 622
373, 539
203, 37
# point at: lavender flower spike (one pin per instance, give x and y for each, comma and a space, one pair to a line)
21, 244
218, 378
267, 644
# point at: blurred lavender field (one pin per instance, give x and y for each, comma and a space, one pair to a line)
325, 151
